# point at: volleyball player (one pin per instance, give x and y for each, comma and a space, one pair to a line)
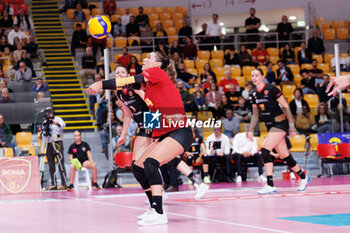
161, 95
266, 99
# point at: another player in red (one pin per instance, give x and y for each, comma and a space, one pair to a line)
174, 138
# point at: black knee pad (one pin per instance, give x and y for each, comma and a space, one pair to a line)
140, 176
265, 155
189, 160
205, 159
174, 162
290, 161
151, 171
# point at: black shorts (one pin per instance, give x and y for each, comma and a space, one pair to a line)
283, 125
184, 136
142, 133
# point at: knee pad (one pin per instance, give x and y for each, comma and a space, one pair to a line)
189, 160
140, 176
290, 161
151, 171
265, 155
174, 162
205, 159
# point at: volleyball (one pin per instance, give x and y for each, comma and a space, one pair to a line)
99, 26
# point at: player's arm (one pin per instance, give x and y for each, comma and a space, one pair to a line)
285, 106
253, 121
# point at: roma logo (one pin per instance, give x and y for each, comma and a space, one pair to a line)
14, 174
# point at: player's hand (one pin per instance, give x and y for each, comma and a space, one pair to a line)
338, 83
148, 131
250, 136
121, 141
94, 88
292, 131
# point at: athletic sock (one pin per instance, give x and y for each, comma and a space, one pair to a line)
270, 181
301, 174
149, 195
157, 204
193, 178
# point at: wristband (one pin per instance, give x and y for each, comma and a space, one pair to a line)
291, 124
109, 84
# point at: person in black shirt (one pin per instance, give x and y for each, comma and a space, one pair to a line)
88, 62
252, 25
184, 76
321, 89
307, 83
81, 151
284, 74
79, 39
186, 30
304, 54
284, 29
202, 38
266, 100
197, 148
6, 22
132, 29
316, 72
232, 95
142, 19
296, 105
315, 44
231, 58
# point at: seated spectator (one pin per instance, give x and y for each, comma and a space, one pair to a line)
29, 63
304, 54
344, 63
32, 48
84, 4
230, 124
7, 54
132, 29
184, 76
124, 60
187, 99
161, 47
176, 58
185, 31
134, 67
304, 121
16, 32
307, 83
6, 22
190, 50
284, 74
323, 119
315, 44
142, 19
68, 4
3, 84
24, 74
232, 94
224, 83
18, 53
109, 7
247, 92
244, 58
316, 72
5, 134
176, 48
270, 77
246, 151
39, 86
5, 97
296, 105
199, 98
126, 17
79, 15
212, 100
321, 89
146, 39
206, 85
288, 55
207, 72
223, 107
81, 151
218, 149
40, 97
3, 43
98, 43
160, 32
124, 147
100, 68
88, 62
79, 39
284, 29
334, 107
119, 29
241, 112
260, 55
231, 58
24, 22
202, 38
8, 7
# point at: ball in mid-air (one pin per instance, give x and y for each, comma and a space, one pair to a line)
99, 26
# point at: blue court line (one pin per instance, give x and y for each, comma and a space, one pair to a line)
336, 220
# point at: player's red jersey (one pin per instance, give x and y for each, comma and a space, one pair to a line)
161, 94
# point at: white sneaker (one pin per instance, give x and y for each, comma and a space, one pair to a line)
142, 216
239, 179
303, 183
262, 179
267, 189
292, 176
153, 218
201, 189
190, 182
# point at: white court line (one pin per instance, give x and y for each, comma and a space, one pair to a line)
193, 217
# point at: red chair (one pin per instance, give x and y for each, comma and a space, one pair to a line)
18, 2
344, 150
24, 7
123, 160
328, 155
9, 1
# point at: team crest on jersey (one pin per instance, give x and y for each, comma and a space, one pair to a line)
266, 92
